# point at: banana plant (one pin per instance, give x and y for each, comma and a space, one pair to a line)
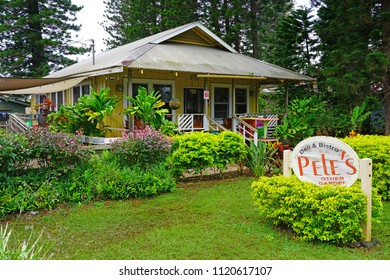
359, 116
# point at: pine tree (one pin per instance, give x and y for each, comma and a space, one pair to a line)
348, 31
295, 42
35, 36
263, 18
131, 20
385, 19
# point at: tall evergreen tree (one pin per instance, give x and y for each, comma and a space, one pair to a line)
385, 19
348, 31
35, 36
245, 25
295, 43
262, 21
130, 20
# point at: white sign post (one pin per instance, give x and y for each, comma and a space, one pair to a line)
326, 160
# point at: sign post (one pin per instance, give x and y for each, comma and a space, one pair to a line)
329, 161
366, 180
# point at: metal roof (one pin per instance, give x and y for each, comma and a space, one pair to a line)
188, 48
200, 59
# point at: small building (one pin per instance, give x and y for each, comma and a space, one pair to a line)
211, 80
9, 105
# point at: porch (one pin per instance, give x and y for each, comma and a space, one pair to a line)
255, 127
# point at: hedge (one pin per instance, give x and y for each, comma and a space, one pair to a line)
376, 148
327, 213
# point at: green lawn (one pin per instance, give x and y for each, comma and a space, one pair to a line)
200, 220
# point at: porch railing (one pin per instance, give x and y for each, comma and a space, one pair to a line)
197, 122
17, 124
213, 125
247, 131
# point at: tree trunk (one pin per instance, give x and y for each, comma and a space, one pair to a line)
386, 50
253, 26
35, 27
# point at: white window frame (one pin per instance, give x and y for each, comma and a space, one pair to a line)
80, 85
247, 97
151, 82
56, 107
230, 103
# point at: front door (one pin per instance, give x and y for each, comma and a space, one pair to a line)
221, 106
194, 104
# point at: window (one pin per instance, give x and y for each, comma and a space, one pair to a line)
221, 103
136, 86
79, 91
193, 101
241, 100
58, 99
166, 94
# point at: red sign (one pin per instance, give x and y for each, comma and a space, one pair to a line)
206, 94
325, 160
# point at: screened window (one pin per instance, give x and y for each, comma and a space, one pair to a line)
241, 100
79, 91
166, 94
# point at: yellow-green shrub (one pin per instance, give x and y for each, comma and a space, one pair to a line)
194, 152
327, 213
376, 148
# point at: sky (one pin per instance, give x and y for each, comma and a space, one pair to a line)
90, 17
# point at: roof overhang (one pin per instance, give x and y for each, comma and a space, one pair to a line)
231, 77
42, 85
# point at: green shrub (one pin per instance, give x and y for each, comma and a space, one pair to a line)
31, 191
106, 178
376, 148
101, 177
327, 213
197, 151
230, 148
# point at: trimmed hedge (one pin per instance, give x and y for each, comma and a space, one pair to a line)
197, 151
376, 148
327, 213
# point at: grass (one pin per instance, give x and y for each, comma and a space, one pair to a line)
210, 220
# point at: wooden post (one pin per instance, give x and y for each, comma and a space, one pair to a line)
366, 180
286, 163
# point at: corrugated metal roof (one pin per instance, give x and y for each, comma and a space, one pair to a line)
199, 59
159, 52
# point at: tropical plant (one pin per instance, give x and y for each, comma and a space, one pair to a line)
300, 122
359, 116
87, 115
260, 159
147, 107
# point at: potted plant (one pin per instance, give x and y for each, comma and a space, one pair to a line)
174, 103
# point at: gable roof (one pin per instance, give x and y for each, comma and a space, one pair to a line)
190, 48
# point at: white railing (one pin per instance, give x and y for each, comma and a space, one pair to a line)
16, 124
194, 122
247, 131
213, 125
188, 122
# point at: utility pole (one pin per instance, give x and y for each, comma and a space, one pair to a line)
93, 50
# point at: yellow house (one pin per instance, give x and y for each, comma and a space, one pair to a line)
213, 82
